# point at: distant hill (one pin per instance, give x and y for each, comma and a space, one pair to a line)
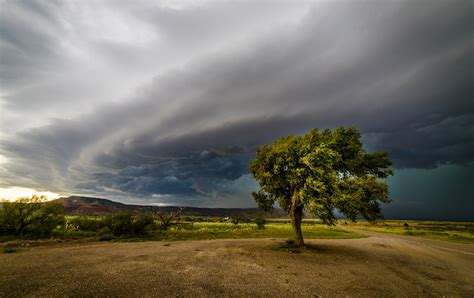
78, 204
90, 205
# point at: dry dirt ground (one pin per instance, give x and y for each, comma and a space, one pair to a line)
380, 265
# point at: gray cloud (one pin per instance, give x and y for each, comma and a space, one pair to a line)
28, 44
136, 108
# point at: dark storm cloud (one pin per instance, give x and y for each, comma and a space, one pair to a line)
401, 72
173, 172
432, 194
199, 174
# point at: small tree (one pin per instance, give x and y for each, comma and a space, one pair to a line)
260, 220
168, 220
320, 172
31, 216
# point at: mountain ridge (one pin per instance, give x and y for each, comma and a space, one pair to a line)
93, 205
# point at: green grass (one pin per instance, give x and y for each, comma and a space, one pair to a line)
274, 229
450, 231
200, 230
211, 228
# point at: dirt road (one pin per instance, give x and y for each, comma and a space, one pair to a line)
381, 265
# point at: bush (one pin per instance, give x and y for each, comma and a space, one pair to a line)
87, 224
120, 224
235, 220
129, 224
143, 224
31, 217
260, 221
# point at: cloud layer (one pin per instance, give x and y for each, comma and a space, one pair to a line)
168, 103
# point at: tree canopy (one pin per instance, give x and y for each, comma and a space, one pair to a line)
321, 172
33, 216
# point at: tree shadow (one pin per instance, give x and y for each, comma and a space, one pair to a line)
321, 249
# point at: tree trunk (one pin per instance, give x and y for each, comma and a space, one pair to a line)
296, 214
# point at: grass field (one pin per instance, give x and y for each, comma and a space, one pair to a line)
202, 230
211, 228
274, 229
441, 230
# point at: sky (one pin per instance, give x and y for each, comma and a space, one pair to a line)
165, 102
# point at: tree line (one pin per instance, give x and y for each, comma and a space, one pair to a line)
36, 217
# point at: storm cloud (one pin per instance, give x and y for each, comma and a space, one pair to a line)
146, 102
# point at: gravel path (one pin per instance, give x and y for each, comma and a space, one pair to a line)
381, 265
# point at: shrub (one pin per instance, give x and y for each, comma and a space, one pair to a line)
31, 217
143, 224
235, 220
120, 223
129, 224
260, 221
87, 224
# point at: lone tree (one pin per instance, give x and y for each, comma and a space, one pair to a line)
321, 172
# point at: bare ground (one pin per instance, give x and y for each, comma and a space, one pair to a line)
381, 265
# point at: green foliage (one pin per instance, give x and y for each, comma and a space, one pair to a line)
264, 202
260, 221
235, 220
31, 217
87, 224
320, 172
129, 224
216, 230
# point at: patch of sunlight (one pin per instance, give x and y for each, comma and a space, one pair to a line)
14, 192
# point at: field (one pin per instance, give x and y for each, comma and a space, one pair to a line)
217, 230
386, 265
195, 257
451, 231
203, 230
